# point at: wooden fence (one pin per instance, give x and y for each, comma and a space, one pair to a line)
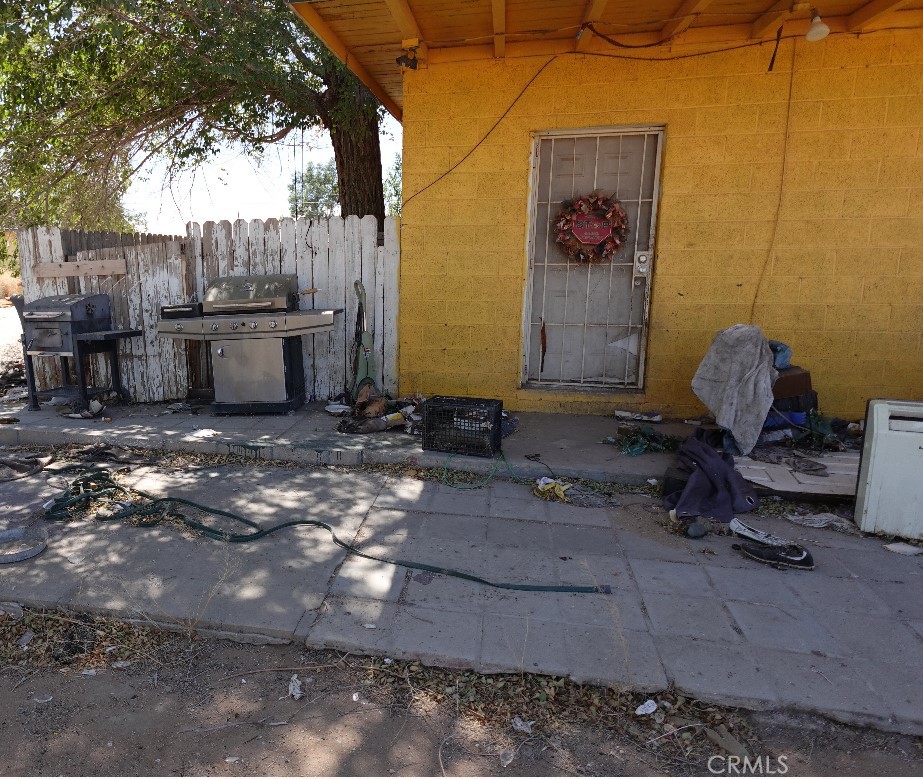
143, 272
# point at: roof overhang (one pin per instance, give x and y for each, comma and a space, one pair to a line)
369, 36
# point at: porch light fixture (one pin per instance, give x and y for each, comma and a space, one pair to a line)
408, 59
818, 30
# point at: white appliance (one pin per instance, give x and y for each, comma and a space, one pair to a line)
889, 497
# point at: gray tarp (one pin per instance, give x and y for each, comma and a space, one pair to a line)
734, 381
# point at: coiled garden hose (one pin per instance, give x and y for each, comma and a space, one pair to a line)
95, 484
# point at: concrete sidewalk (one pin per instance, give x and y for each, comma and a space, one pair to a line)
570, 444
845, 640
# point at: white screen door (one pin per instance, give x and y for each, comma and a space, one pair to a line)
586, 325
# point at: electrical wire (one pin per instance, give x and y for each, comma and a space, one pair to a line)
620, 45
95, 485
785, 152
487, 134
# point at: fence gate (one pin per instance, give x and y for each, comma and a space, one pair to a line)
585, 325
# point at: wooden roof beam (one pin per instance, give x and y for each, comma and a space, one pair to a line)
332, 41
498, 11
871, 12
684, 17
780, 12
407, 23
594, 9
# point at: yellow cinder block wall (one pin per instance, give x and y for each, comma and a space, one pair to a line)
838, 263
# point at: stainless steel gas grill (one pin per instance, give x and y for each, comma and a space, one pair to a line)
70, 327
254, 327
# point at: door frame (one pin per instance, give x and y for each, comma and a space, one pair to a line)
537, 137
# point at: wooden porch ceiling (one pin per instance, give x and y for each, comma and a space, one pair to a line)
369, 35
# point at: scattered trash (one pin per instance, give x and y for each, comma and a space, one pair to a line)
294, 688
8, 420
21, 543
88, 672
357, 698
551, 489
831, 521
94, 410
506, 757
337, 409
639, 416
12, 610
905, 549
42, 697
635, 441
388, 660
75, 559
724, 740
653, 482
243, 681
57, 400
180, 406
14, 394
648, 707
205, 432
121, 664
232, 759
698, 529
793, 460
25, 639
522, 725
695, 422
370, 626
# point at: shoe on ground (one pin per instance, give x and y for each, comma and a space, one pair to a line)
738, 528
790, 556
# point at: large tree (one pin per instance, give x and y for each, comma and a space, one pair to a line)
90, 91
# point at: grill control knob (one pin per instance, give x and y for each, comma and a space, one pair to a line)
272, 324
233, 325
178, 326
215, 326
253, 325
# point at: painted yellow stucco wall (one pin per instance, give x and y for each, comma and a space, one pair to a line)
837, 263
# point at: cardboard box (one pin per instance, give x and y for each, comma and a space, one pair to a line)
792, 382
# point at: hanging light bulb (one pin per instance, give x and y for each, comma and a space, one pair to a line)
818, 30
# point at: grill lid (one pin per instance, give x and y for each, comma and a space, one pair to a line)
231, 294
74, 307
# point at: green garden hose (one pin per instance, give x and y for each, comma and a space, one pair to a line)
95, 484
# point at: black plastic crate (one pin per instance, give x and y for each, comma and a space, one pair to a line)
462, 425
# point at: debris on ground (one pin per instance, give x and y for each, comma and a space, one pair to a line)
639, 416
294, 688
648, 707
903, 548
551, 489
825, 519
634, 441
94, 409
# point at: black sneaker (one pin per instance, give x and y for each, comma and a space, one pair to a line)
789, 556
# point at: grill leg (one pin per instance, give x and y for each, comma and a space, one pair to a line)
116, 373
79, 367
30, 377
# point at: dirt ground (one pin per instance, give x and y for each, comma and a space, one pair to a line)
90, 696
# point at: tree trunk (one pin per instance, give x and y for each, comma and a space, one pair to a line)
350, 114
357, 153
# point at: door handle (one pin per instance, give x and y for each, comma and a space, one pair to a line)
220, 351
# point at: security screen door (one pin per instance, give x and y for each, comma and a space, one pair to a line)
586, 325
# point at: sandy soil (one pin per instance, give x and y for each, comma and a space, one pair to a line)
184, 704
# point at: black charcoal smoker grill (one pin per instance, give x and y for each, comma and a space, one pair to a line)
69, 327
254, 328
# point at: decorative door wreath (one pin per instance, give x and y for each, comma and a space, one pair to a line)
591, 228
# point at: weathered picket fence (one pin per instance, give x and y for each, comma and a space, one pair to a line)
142, 272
